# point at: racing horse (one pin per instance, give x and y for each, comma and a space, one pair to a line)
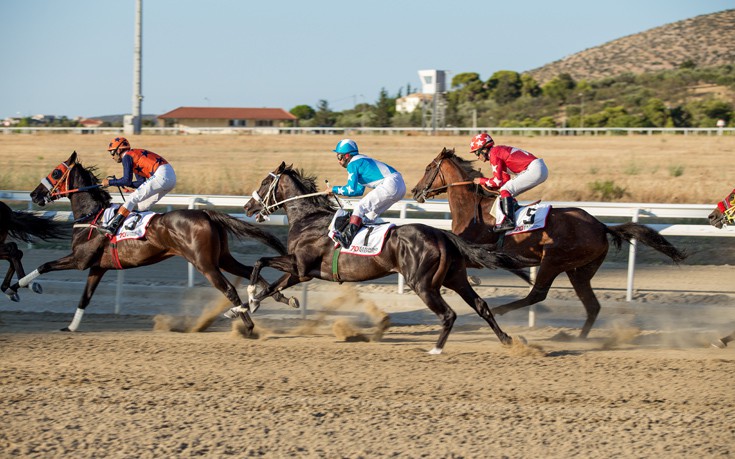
724, 213
199, 236
23, 226
427, 257
572, 242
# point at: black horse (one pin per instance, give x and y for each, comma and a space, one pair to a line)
427, 257
23, 226
199, 236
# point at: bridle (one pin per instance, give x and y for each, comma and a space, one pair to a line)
57, 183
271, 203
438, 172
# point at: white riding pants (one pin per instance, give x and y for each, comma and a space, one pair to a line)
534, 175
152, 190
390, 191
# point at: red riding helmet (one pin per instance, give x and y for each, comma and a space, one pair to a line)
481, 141
119, 143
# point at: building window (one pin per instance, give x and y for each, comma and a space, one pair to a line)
238, 123
264, 123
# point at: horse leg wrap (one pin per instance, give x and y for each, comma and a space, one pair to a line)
76, 320
27, 280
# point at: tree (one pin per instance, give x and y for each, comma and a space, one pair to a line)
560, 88
324, 116
385, 108
505, 86
303, 112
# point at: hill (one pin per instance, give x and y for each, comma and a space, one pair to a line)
705, 41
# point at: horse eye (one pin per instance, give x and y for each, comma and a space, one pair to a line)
56, 174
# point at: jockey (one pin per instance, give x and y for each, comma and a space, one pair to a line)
362, 171
528, 171
154, 177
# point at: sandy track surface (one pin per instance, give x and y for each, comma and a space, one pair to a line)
335, 381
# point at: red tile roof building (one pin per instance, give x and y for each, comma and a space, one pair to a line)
204, 117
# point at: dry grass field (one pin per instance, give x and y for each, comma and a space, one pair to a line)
659, 168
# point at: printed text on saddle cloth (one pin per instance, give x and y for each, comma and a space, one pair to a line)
528, 218
368, 241
134, 225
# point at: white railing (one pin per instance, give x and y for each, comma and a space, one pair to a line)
522, 131
410, 211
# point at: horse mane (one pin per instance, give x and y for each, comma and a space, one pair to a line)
89, 177
467, 168
464, 164
308, 185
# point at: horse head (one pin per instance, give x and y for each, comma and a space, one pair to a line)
264, 200
67, 179
724, 213
433, 182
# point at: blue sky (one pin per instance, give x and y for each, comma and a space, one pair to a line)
75, 57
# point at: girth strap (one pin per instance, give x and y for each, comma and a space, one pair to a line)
335, 257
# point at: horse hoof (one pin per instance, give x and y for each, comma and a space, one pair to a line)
234, 312
497, 311
36, 287
254, 305
13, 296
66, 329
435, 351
518, 339
294, 303
719, 344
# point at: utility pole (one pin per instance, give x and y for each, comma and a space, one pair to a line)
137, 60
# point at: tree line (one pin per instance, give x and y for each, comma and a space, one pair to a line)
684, 97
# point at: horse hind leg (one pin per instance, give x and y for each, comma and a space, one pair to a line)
433, 300
581, 278
461, 285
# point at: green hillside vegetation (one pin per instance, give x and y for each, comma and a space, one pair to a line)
676, 75
684, 97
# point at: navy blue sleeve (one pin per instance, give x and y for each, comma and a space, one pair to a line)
127, 178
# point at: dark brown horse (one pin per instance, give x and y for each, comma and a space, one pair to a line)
573, 241
199, 236
23, 226
427, 257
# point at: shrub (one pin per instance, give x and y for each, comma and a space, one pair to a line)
606, 190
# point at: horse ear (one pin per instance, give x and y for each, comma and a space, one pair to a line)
281, 167
72, 159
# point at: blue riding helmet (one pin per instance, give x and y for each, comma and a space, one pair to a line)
346, 147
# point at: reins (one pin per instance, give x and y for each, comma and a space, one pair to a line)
270, 195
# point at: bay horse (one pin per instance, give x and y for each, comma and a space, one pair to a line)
199, 236
23, 226
427, 257
572, 242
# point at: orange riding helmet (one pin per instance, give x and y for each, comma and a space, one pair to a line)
119, 143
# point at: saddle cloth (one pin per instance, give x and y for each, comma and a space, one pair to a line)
528, 218
369, 239
133, 227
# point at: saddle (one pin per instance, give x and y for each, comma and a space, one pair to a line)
133, 227
369, 239
527, 218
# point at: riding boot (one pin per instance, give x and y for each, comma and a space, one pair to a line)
345, 238
507, 207
112, 227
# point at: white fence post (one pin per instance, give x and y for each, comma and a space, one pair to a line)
631, 261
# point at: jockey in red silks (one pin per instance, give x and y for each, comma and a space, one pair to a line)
514, 171
154, 178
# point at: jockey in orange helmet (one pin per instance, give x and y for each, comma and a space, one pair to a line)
527, 172
154, 178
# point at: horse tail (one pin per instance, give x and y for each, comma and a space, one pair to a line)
487, 255
242, 229
647, 236
24, 225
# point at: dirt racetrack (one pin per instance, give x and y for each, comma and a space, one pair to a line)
334, 382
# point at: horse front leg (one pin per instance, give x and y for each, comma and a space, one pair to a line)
62, 264
283, 263
93, 280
